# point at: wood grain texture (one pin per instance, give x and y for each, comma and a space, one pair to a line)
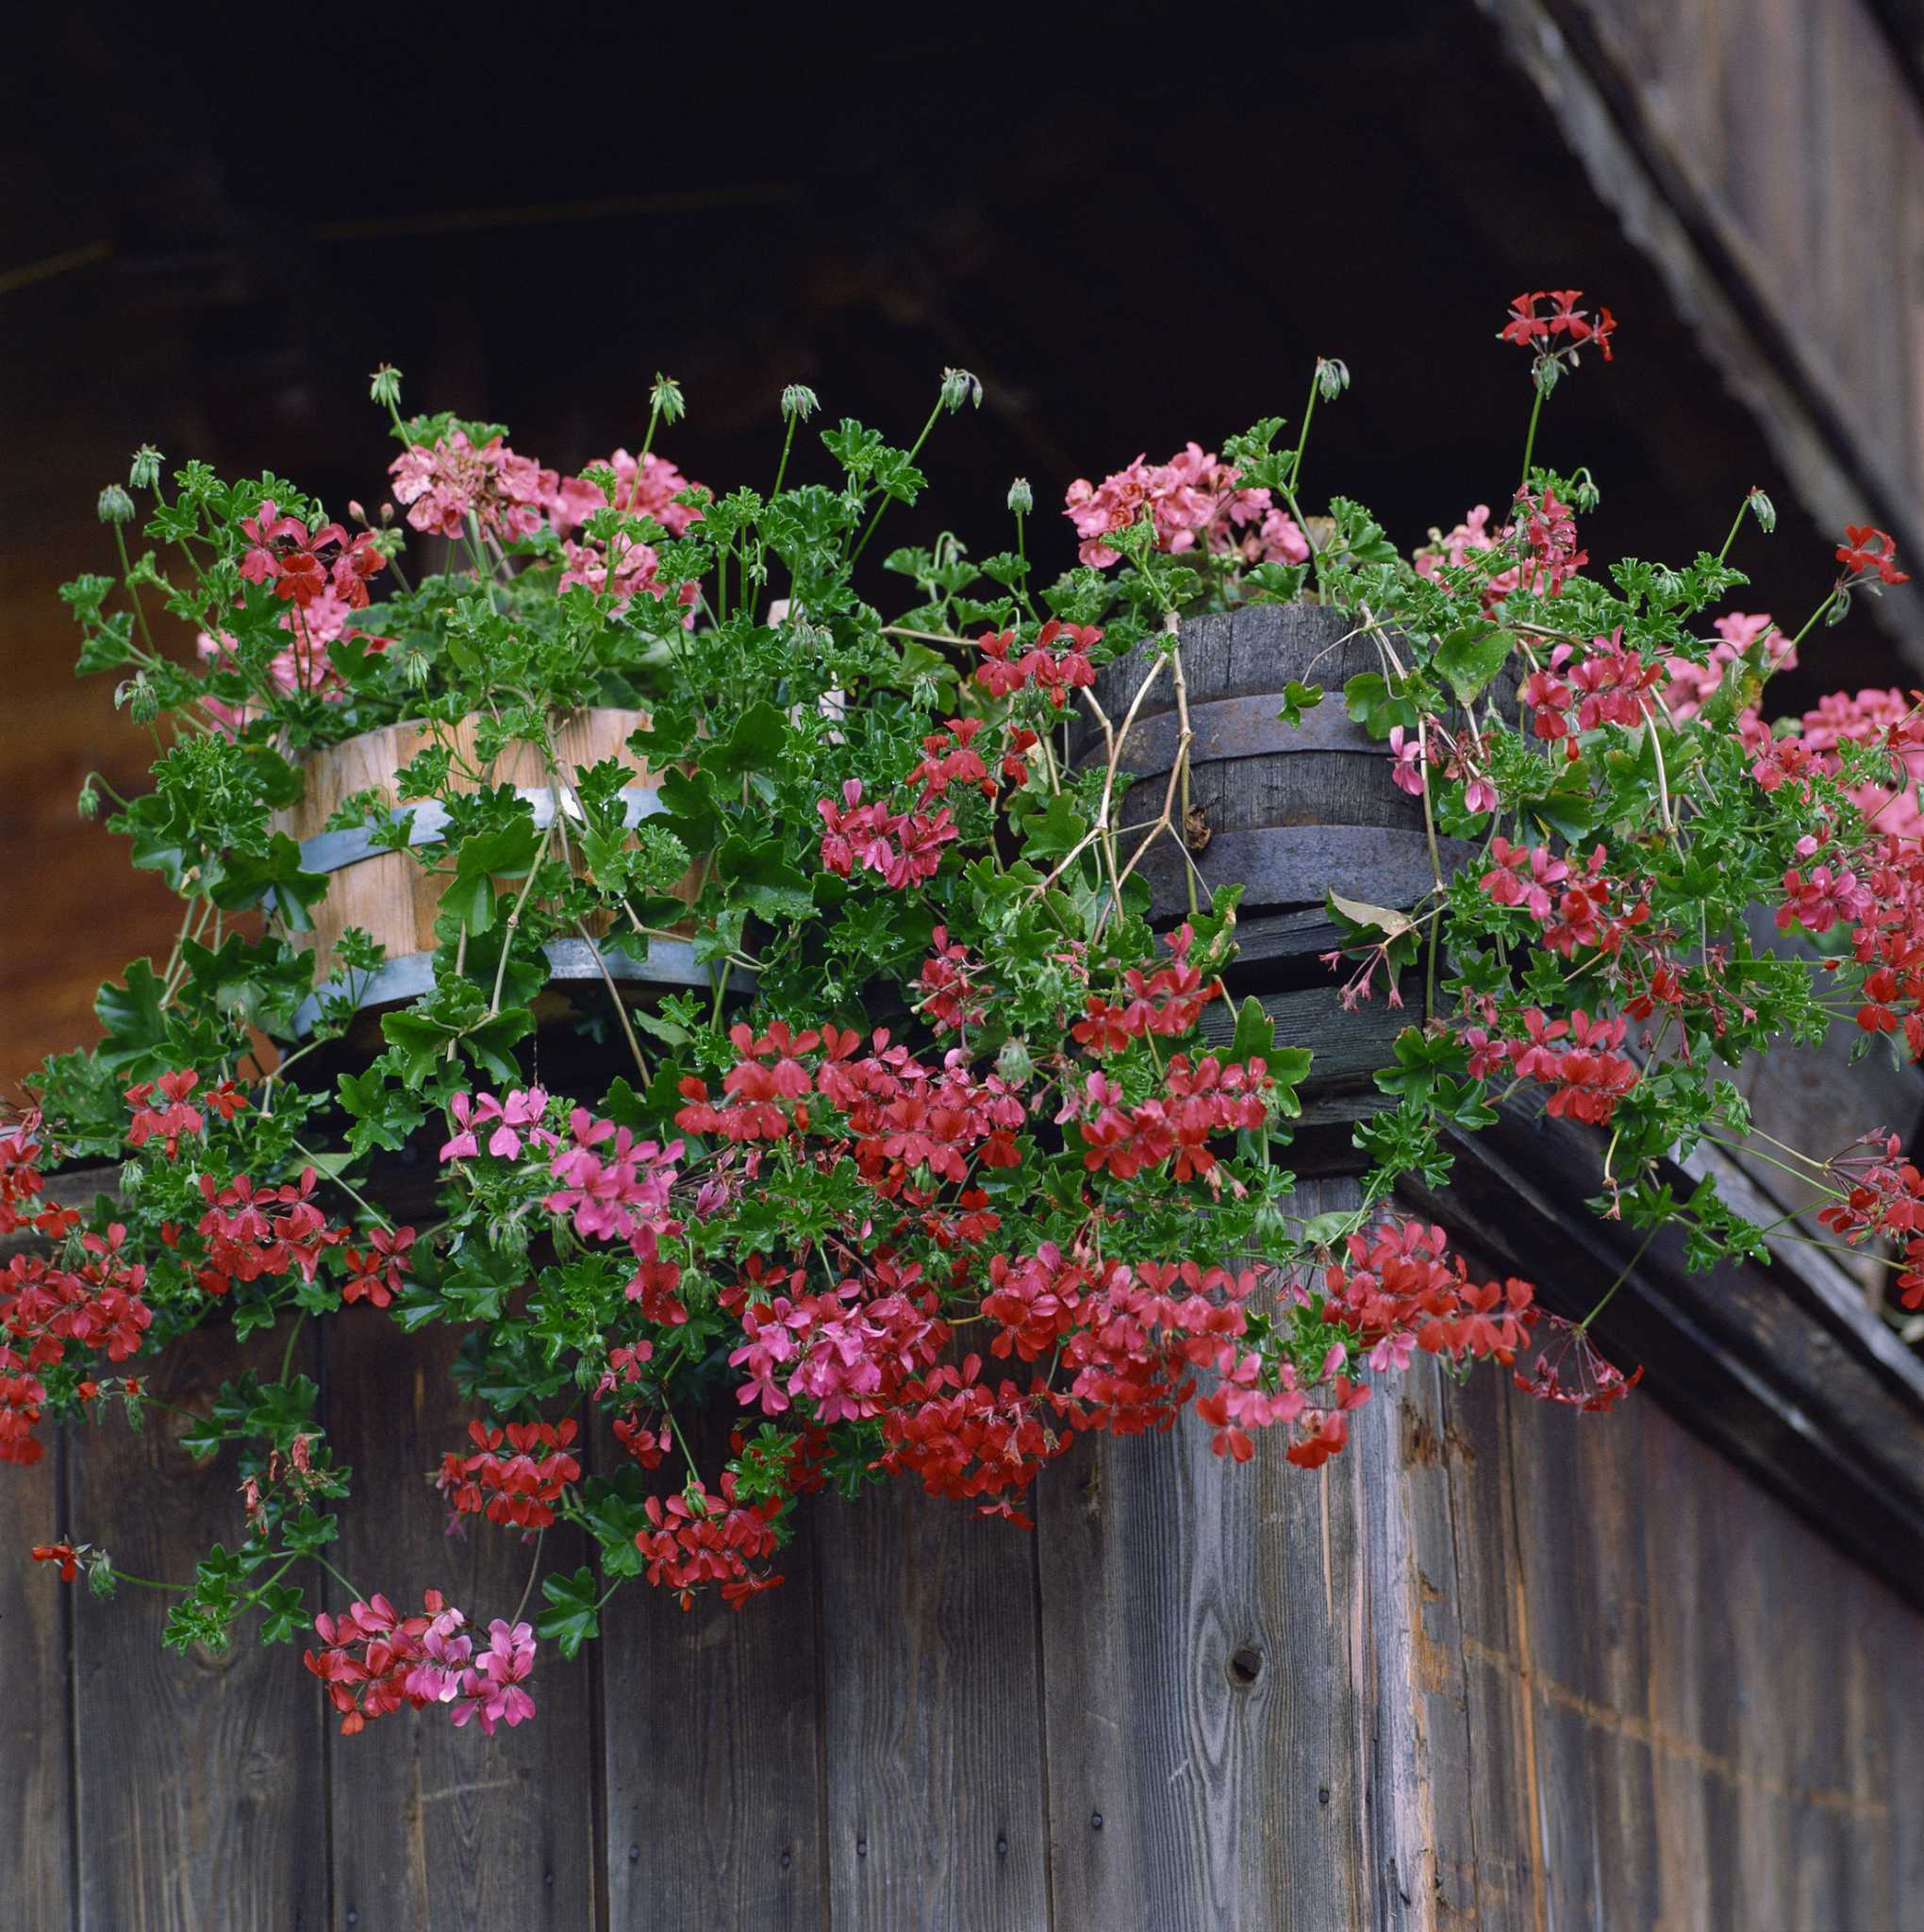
202, 1778
37, 1825
933, 1730
1207, 1663
1665, 1684
1808, 224
391, 896
435, 1829
1761, 159
714, 1747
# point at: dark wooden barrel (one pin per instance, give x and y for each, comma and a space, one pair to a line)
1285, 811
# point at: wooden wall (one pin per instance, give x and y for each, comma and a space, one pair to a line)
1499, 1665
1768, 157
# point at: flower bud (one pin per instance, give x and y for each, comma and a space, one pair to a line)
138, 699
145, 471
87, 804
384, 386
1021, 498
959, 387
116, 505
1764, 511
1013, 1063
665, 398
799, 401
1332, 377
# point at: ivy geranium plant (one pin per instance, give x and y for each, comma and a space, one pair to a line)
934, 1170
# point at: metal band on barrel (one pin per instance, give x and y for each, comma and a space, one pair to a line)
669, 962
428, 823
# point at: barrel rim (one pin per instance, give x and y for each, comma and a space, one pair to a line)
667, 962
428, 822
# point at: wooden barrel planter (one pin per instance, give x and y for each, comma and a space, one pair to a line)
1286, 811
395, 899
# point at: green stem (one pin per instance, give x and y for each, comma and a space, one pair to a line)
1530, 438
856, 556
147, 1582
1742, 509
1301, 441
294, 1335
346, 1186
782, 468
1811, 621
514, 917
354, 1594
1623, 1276
133, 595
527, 1588
614, 995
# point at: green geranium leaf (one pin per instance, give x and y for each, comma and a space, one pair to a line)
131, 1015
1472, 657
572, 1613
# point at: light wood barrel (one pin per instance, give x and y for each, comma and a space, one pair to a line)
395, 899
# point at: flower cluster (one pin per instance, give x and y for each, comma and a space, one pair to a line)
1396, 1291
904, 847
1563, 331
1867, 553
100, 1304
302, 664
1883, 1197
1057, 663
303, 568
451, 479
1567, 1369
372, 1662
521, 1487
1192, 500
701, 1537
646, 485
1739, 634
254, 1232
23, 1186
177, 1118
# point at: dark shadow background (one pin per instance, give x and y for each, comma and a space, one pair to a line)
1135, 234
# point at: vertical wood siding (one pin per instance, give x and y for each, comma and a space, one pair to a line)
1498, 1665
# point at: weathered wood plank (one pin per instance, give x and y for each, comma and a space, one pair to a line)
1504, 1797
713, 1746
937, 1815
1423, 1828
1204, 1650
1685, 1544
1669, 1713
1584, 1630
434, 1826
1814, 417
37, 1827
201, 1778
1731, 1350
1806, 222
